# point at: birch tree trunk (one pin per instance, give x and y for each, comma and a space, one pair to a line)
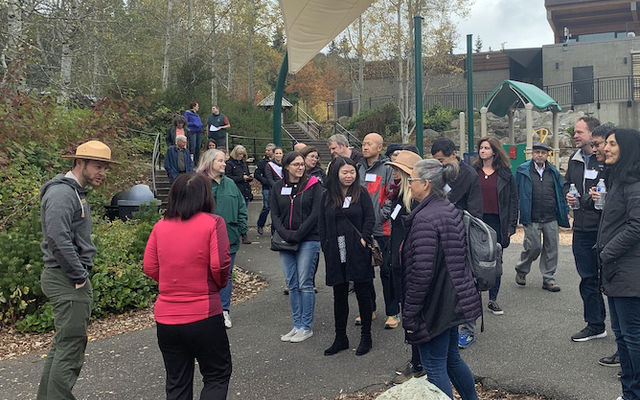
11, 52
252, 27
167, 44
230, 62
190, 31
401, 77
214, 77
360, 53
66, 58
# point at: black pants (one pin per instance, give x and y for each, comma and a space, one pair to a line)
388, 278
205, 341
341, 306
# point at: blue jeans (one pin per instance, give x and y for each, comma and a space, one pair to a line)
586, 264
625, 323
441, 359
225, 292
195, 139
298, 273
262, 219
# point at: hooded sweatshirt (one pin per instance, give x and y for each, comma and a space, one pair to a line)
377, 179
66, 227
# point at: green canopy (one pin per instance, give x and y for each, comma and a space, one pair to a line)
509, 93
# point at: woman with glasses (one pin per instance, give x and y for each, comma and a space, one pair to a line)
346, 229
295, 206
618, 246
439, 290
312, 163
499, 200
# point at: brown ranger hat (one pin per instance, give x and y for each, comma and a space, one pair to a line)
405, 160
93, 150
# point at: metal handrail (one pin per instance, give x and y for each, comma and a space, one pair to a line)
338, 128
310, 122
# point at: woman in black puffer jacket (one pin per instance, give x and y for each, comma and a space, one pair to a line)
619, 248
439, 291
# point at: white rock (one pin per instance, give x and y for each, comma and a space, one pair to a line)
414, 389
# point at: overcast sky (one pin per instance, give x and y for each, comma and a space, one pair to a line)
519, 23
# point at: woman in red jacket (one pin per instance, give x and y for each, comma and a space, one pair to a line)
190, 274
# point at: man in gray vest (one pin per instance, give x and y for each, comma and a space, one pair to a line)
68, 257
217, 125
542, 208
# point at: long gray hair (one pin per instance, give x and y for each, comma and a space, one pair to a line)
205, 166
437, 174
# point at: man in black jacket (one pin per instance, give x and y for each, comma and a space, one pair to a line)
583, 173
465, 194
259, 175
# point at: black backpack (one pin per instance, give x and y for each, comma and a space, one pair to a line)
483, 251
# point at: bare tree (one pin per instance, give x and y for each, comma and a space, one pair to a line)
167, 45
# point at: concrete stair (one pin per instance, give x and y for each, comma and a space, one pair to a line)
162, 186
301, 136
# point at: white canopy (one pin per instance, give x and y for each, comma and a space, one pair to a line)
312, 24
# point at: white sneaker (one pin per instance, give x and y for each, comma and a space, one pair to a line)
287, 337
302, 335
227, 319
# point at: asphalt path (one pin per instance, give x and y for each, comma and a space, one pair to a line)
526, 350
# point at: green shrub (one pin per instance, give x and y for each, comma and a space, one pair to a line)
439, 118
385, 120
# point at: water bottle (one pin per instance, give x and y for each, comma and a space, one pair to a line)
574, 192
602, 191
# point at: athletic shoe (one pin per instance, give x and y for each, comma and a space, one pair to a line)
521, 279
465, 340
301, 335
392, 322
552, 287
494, 307
588, 333
359, 320
260, 230
611, 361
407, 374
287, 337
227, 319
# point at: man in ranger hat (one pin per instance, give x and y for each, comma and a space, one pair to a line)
68, 257
542, 208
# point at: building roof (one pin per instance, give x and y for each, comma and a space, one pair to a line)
509, 94
268, 101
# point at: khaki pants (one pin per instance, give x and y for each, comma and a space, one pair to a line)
71, 311
540, 240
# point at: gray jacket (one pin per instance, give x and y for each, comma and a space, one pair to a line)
66, 227
381, 176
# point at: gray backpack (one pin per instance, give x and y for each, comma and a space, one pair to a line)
483, 251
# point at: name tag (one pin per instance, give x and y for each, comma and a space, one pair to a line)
286, 191
347, 202
590, 174
446, 188
395, 212
370, 177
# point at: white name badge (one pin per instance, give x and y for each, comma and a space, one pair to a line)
590, 174
395, 212
370, 177
446, 188
347, 202
286, 191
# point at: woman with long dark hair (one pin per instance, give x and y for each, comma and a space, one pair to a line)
618, 246
231, 207
295, 206
439, 289
190, 274
346, 229
499, 200
312, 163
179, 127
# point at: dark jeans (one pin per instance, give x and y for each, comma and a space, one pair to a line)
71, 310
587, 266
341, 306
625, 323
262, 219
493, 220
195, 140
391, 297
441, 359
206, 341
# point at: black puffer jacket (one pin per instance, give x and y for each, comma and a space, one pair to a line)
236, 169
439, 289
619, 241
295, 216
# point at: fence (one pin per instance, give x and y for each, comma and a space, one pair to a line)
255, 146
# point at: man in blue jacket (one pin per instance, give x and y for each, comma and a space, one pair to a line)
542, 208
178, 160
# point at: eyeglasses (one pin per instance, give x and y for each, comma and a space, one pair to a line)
297, 165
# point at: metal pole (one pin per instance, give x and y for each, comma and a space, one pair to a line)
470, 112
277, 101
417, 24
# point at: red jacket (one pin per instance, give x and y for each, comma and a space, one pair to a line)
190, 260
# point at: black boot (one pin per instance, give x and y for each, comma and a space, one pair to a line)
364, 346
339, 343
